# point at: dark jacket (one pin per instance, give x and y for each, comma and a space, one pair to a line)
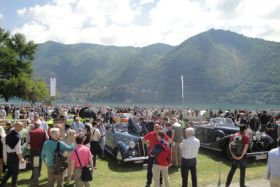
162, 153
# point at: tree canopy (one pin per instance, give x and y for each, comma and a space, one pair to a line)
16, 56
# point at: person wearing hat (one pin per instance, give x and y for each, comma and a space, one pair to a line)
14, 154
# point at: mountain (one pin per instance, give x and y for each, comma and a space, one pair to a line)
217, 65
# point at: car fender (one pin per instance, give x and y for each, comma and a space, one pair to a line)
224, 142
268, 141
122, 148
219, 134
224, 145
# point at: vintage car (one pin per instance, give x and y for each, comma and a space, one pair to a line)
217, 133
69, 120
124, 143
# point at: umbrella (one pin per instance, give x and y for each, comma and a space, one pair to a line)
87, 112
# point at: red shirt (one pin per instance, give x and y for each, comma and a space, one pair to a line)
84, 156
153, 140
37, 139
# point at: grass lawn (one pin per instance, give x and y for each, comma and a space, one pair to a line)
110, 174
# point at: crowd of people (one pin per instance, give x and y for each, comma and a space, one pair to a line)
168, 132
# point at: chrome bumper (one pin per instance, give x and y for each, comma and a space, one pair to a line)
258, 155
135, 159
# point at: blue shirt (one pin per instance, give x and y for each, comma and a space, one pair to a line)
49, 148
77, 127
45, 126
273, 162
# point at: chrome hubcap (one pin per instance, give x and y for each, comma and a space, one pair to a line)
119, 155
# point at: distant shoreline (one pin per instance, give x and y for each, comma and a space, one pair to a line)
222, 106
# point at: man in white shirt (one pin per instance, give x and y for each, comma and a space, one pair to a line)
14, 154
273, 166
3, 113
17, 113
189, 148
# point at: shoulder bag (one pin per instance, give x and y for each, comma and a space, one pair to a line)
86, 171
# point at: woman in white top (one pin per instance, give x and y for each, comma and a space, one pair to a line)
86, 132
94, 144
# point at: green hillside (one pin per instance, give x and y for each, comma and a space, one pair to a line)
217, 65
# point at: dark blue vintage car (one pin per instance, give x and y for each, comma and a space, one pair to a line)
217, 133
124, 143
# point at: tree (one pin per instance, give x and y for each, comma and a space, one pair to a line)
34, 91
16, 56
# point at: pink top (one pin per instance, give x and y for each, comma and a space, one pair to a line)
84, 156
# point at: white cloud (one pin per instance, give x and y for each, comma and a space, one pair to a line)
22, 12
112, 22
143, 2
1, 16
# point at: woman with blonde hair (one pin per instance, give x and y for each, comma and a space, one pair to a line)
2, 135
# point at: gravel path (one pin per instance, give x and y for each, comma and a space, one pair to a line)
251, 183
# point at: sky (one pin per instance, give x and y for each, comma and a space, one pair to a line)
137, 22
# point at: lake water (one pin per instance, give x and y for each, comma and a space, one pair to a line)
222, 106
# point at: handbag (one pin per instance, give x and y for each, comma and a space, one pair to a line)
86, 171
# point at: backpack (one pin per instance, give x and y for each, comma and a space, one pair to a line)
59, 161
236, 145
164, 156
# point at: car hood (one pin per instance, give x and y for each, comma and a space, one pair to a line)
133, 128
229, 130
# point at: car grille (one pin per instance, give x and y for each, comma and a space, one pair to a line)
141, 147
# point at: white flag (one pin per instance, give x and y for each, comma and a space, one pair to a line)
182, 83
53, 86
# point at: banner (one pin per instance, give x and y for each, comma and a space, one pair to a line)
53, 86
182, 83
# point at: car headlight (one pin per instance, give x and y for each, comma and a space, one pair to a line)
258, 135
131, 144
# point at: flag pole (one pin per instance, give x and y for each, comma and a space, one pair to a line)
182, 87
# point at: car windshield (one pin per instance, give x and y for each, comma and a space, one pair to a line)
227, 122
120, 127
